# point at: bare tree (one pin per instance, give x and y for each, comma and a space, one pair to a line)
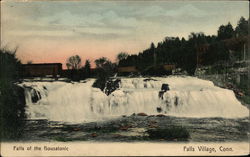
74, 62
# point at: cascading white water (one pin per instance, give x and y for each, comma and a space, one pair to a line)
80, 102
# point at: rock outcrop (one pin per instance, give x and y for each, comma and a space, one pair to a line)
164, 88
111, 86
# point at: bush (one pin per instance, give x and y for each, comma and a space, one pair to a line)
171, 133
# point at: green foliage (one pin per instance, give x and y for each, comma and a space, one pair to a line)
225, 32
216, 69
170, 133
217, 52
242, 27
12, 99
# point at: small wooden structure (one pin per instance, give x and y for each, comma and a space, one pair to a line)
169, 67
42, 70
127, 69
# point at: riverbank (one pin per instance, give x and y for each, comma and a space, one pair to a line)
229, 82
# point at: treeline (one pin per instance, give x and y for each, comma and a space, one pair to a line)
185, 53
75, 71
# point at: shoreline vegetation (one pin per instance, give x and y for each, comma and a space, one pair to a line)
223, 55
12, 98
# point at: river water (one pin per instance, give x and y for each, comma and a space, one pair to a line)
208, 112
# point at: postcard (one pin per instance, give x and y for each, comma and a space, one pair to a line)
124, 78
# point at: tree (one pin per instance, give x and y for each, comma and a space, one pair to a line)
10, 66
225, 32
152, 46
102, 62
104, 69
106, 65
87, 67
74, 62
121, 56
242, 27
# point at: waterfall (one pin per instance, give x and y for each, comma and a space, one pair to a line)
80, 102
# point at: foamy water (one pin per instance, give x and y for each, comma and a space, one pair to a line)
80, 102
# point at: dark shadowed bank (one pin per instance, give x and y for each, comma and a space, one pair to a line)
12, 99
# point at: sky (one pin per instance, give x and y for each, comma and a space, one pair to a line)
52, 31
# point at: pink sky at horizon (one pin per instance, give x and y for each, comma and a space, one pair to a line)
59, 51
53, 54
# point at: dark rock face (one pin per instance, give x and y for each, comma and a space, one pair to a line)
164, 87
111, 86
35, 96
160, 95
176, 101
159, 109
160, 115
142, 114
149, 79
